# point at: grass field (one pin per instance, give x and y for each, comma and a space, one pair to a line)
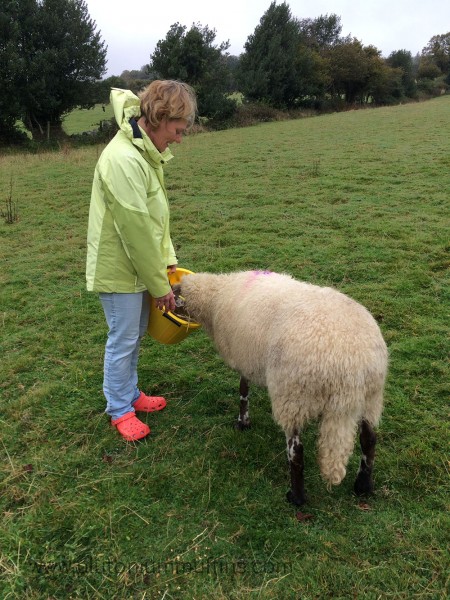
87, 119
358, 200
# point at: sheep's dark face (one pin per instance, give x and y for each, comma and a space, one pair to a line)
176, 289
180, 304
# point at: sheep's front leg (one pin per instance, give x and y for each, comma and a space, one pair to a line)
296, 494
367, 437
243, 421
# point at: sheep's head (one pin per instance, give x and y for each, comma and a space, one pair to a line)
180, 303
199, 291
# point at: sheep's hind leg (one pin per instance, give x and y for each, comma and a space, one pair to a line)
296, 494
367, 437
243, 421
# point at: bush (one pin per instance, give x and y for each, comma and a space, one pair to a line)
257, 112
12, 136
107, 129
432, 87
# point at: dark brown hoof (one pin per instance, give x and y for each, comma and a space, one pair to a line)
240, 426
296, 500
363, 485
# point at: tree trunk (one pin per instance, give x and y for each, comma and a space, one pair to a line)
44, 132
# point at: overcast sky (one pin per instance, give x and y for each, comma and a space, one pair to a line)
387, 24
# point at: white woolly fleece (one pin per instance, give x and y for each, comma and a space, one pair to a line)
319, 353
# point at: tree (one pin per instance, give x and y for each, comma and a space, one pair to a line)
104, 88
438, 50
317, 37
403, 60
269, 67
383, 81
313, 76
60, 57
430, 80
434, 65
323, 31
428, 69
359, 74
191, 56
349, 70
167, 58
136, 79
14, 16
232, 63
137, 74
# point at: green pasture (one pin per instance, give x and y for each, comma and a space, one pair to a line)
357, 200
87, 119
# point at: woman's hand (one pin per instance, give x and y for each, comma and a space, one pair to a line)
166, 302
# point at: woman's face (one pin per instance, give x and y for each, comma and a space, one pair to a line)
167, 132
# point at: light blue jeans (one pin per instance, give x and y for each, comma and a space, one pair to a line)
127, 317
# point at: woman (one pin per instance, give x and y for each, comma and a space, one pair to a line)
129, 245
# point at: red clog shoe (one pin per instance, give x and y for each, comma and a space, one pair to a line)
130, 427
149, 403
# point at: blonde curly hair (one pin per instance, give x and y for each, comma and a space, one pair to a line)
168, 99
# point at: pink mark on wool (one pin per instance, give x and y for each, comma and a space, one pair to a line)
254, 275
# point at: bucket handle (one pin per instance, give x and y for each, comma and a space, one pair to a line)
167, 316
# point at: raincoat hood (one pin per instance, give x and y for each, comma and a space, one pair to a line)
125, 105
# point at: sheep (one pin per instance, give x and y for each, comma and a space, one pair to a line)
319, 353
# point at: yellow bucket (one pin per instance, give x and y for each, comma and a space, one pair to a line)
166, 327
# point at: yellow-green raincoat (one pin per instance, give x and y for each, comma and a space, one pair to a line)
129, 245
